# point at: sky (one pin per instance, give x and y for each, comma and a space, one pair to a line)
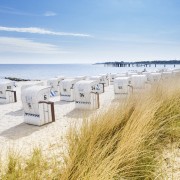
88, 31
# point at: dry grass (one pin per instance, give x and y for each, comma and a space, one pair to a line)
125, 142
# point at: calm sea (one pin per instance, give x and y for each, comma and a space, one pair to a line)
45, 71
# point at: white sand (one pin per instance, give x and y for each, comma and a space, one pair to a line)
19, 136
171, 163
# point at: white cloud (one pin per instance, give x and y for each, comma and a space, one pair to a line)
23, 45
37, 30
50, 13
10, 10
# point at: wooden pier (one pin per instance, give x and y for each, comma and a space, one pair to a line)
141, 63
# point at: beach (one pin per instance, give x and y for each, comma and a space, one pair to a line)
21, 137
54, 139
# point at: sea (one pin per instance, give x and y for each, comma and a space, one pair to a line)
45, 71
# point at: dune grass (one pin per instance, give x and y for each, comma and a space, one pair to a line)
124, 142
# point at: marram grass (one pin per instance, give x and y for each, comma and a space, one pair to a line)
125, 142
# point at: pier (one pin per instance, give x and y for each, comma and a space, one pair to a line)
141, 63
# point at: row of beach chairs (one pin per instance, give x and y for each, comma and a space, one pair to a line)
83, 91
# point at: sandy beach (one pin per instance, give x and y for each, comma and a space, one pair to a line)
22, 137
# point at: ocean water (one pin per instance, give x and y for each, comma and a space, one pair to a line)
45, 71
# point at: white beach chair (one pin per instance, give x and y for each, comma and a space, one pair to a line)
138, 81
38, 110
130, 74
105, 79
85, 98
67, 89
100, 86
54, 83
112, 77
148, 75
7, 93
156, 77
122, 86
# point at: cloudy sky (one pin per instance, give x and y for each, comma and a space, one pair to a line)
87, 31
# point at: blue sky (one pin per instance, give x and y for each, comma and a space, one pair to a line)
88, 31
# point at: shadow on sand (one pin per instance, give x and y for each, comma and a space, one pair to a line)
61, 102
120, 98
20, 131
77, 113
16, 113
